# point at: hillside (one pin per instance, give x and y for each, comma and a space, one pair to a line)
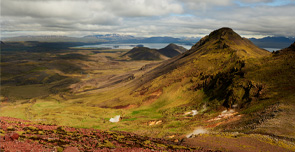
144, 53
220, 46
172, 50
221, 72
223, 89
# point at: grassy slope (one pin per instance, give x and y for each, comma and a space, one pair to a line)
204, 80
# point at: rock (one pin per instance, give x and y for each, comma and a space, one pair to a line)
151, 123
14, 136
115, 119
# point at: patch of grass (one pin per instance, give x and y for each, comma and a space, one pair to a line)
130, 119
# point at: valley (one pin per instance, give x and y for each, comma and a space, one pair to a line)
223, 90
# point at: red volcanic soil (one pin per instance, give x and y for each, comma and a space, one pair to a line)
22, 135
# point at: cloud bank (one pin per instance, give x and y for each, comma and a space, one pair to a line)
147, 17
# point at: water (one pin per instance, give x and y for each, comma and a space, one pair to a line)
149, 45
271, 49
132, 45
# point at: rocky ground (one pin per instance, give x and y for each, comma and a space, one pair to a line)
23, 135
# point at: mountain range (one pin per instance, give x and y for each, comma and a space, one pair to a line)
266, 42
144, 53
273, 42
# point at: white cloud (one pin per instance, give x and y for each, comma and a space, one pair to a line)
146, 17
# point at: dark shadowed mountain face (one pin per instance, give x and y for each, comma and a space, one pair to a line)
144, 53
172, 50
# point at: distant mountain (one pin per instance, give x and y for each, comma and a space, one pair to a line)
54, 38
172, 50
107, 38
272, 42
132, 39
112, 37
291, 48
144, 53
165, 39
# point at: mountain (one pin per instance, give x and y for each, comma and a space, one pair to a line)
164, 39
214, 51
225, 39
172, 50
118, 38
291, 48
272, 42
224, 87
144, 53
224, 72
111, 37
114, 38
53, 38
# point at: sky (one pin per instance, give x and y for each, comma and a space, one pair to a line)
144, 18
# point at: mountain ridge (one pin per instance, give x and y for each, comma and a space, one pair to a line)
172, 50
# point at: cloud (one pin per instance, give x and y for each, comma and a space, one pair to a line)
147, 17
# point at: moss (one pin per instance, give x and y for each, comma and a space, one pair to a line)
20, 132
69, 133
177, 147
120, 137
147, 142
108, 144
162, 146
10, 128
2, 131
40, 132
61, 130
59, 149
32, 128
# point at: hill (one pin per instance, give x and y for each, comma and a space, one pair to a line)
221, 72
144, 53
272, 42
288, 49
172, 50
218, 47
223, 89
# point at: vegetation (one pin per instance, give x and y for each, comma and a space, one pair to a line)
233, 85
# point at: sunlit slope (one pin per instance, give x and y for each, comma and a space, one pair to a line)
222, 71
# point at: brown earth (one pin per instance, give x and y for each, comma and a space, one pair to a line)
240, 143
22, 135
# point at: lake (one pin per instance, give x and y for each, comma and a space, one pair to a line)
272, 49
149, 45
